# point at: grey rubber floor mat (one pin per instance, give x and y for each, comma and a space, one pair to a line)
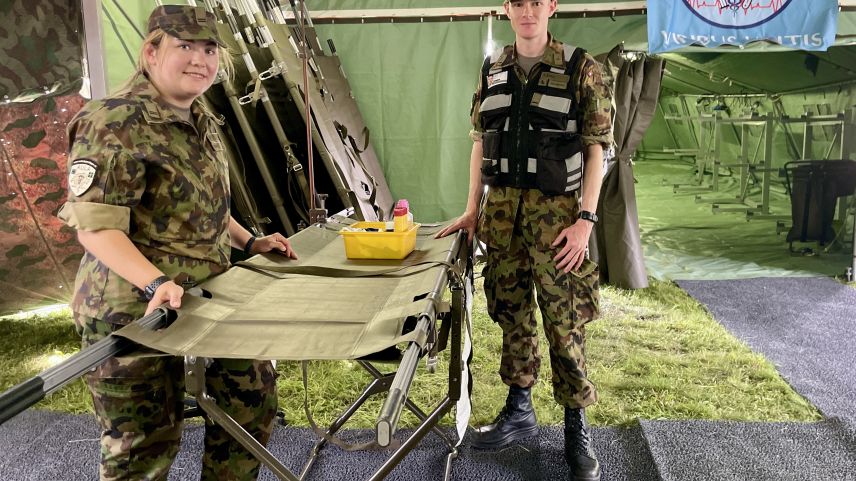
40, 445
726, 451
805, 326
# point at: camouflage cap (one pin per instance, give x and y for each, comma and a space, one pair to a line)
185, 22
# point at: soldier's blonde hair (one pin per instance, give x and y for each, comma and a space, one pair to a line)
157, 36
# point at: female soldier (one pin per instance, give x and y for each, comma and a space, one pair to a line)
149, 197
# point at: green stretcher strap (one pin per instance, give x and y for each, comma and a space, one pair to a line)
354, 152
335, 272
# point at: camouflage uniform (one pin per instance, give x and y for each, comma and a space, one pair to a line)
164, 182
518, 226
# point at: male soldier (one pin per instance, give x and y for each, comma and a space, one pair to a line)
541, 120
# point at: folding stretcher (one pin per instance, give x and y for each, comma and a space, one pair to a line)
268, 308
277, 134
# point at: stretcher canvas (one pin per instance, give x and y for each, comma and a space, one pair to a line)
297, 316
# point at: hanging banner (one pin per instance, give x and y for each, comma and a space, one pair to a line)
797, 24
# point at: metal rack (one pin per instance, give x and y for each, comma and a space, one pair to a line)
754, 158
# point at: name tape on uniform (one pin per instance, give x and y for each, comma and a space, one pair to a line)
497, 79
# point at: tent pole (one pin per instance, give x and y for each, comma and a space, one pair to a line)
853, 260
95, 69
457, 14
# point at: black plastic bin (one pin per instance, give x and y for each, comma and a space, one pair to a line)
814, 187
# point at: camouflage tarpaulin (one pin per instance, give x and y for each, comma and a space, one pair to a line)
40, 47
38, 253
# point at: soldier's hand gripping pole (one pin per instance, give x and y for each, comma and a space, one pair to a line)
18, 398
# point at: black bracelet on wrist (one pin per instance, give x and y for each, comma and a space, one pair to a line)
589, 216
249, 244
150, 289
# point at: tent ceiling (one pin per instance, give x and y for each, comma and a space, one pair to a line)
386, 4
758, 72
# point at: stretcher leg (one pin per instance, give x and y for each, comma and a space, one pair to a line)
411, 442
195, 384
413, 408
410, 405
379, 384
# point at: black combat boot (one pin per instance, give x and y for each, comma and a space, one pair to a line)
578, 453
515, 421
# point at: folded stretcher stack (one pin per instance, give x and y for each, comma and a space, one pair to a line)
288, 93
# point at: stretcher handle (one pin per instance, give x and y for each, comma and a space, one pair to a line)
20, 397
390, 413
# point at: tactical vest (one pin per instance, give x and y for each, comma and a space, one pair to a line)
531, 128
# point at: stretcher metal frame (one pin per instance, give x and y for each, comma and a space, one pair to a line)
428, 342
397, 385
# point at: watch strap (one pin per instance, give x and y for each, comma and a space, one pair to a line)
150, 289
249, 245
589, 216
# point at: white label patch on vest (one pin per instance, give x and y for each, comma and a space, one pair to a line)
494, 102
556, 104
497, 79
81, 176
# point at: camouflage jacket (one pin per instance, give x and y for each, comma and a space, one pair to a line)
136, 166
594, 96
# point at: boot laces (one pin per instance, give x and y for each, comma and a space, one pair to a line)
581, 440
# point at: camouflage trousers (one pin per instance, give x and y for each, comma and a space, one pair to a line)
567, 302
139, 407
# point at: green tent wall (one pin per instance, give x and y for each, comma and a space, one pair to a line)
414, 81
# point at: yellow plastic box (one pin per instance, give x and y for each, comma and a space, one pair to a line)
378, 245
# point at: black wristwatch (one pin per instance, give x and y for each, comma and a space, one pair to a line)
150, 289
589, 216
249, 245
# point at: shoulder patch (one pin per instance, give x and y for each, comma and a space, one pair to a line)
81, 175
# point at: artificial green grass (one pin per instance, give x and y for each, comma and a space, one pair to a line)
31, 344
654, 354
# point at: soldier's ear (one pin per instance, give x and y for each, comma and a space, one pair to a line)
150, 52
